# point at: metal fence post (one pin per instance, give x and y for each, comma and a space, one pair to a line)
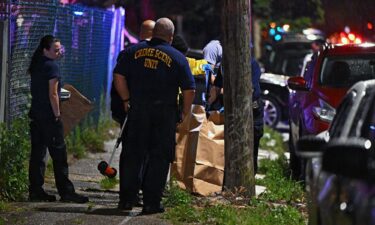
4, 61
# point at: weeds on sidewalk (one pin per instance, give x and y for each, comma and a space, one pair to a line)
184, 208
280, 187
272, 140
3, 206
108, 183
177, 196
14, 155
90, 136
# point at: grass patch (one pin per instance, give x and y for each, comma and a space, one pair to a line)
6, 207
108, 183
3, 206
259, 212
74, 144
14, 155
90, 206
273, 207
90, 135
280, 187
183, 208
273, 140
177, 196
78, 221
183, 214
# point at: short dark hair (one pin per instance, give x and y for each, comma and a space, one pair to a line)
180, 44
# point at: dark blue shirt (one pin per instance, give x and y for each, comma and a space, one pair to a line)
255, 76
154, 71
45, 70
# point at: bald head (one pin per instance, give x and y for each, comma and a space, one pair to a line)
146, 29
164, 29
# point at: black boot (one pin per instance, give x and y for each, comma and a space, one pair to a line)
74, 197
152, 209
41, 197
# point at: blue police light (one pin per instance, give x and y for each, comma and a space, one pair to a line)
78, 13
280, 29
277, 37
272, 32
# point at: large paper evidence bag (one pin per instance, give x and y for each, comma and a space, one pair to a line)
199, 164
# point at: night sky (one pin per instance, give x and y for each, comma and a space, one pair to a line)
353, 13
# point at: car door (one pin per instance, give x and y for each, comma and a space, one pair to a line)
296, 99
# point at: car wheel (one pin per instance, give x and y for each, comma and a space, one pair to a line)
272, 112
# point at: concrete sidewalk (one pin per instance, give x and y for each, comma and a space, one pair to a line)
102, 208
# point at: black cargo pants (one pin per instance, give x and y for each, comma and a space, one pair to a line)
258, 114
149, 133
48, 133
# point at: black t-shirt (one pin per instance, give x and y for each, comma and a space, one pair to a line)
46, 69
154, 71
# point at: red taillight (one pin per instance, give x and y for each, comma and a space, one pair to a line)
358, 40
370, 26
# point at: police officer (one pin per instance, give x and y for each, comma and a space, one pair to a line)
118, 113
212, 54
148, 77
46, 127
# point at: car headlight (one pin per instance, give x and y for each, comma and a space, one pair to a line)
324, 111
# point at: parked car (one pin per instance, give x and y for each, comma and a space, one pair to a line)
341, 170
275, 93
284, 60
194, 53
64, 94
316, 95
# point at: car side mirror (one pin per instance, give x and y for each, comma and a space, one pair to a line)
297, 83
64, 95
351, 158
310, 146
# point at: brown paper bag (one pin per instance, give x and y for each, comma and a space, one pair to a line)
199, 161
74, 109
186, 140
209, 161
216, 117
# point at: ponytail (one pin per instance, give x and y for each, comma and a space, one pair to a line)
45, 43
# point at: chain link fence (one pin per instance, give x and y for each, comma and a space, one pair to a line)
85, 34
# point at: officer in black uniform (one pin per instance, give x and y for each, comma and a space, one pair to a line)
148, 77
46, 127
258, 110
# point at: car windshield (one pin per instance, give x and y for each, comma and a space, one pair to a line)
288, 63
344, 71
341, 116
287, 58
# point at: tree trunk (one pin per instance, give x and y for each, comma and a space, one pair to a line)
239, 169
